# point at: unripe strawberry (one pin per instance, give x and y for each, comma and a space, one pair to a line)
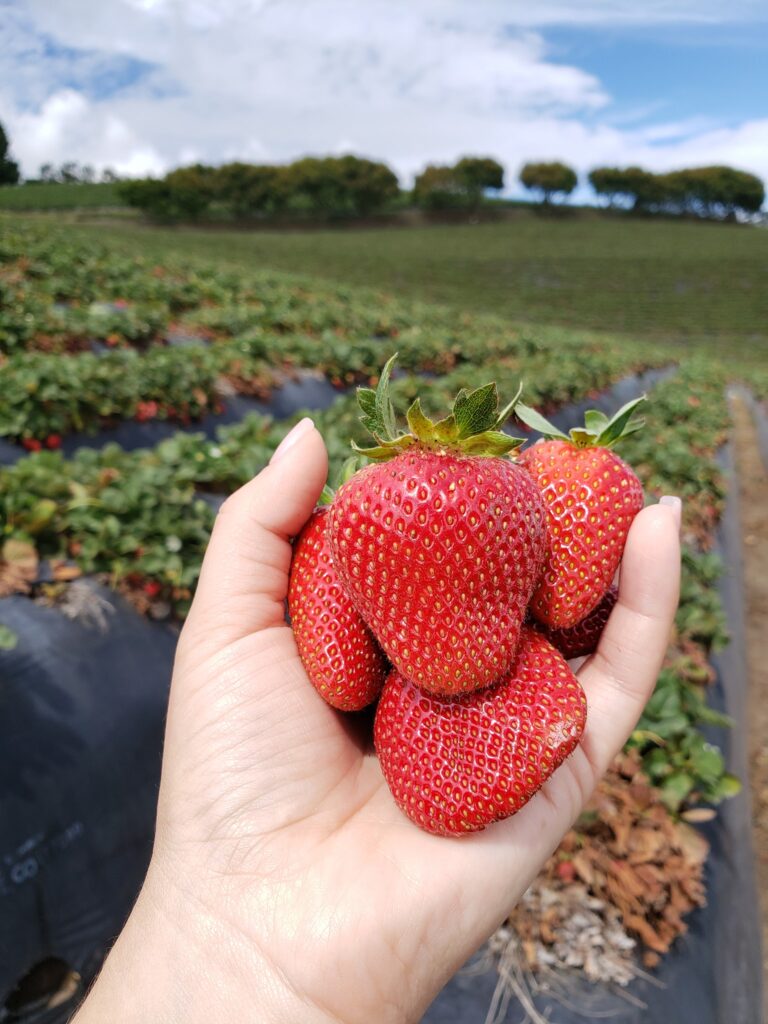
592, 497
338, 651
456, 765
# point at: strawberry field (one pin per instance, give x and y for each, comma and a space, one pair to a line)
135, 395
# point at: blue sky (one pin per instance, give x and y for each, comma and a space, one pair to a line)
675, 73
144, 85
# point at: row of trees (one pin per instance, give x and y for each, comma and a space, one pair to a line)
72, 173
315, 185
350, 185
353, 186
714, 192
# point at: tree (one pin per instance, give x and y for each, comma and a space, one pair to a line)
184, 194
251, 189
346, 184
47, 172
108, 176
612, 184
369, 184
9, 169
439, 187
479, 173
550, 179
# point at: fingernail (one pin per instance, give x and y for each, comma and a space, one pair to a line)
675, 504
290, 439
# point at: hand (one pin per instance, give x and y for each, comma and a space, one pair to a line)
285, 885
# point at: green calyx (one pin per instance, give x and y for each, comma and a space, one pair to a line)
472, 428
598, 431
347, 471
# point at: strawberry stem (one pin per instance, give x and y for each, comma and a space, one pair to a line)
598, 431
473, 426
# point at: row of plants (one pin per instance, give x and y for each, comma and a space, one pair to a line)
109, 509
617, 891
251, 330
44, 397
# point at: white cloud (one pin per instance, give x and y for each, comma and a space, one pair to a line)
273, 79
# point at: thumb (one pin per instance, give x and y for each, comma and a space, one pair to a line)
244, 577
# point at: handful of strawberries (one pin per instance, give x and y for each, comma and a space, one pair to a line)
450, 582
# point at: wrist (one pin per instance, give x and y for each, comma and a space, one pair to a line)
177, 964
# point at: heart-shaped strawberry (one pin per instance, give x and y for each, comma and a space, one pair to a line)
454, 766
441, 542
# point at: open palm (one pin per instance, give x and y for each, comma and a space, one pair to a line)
280, 857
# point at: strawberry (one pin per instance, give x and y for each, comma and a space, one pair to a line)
583, 638
455, 766
53, 441
592, 496
339, 653
151, 588
31, 444
441, 541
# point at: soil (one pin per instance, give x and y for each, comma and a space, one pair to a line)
753, 501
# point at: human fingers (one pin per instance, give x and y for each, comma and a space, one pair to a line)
244, 577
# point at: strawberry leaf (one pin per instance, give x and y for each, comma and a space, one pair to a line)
420, 425
617, 426
476, 412
536, 421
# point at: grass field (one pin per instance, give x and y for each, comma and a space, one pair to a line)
689, 283
58, 197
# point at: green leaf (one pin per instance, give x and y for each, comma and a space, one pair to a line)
536, 421
509, 408
616, 428
477, 412
326, 496
445, 430
8, 639
491, 442
595, 421
386, 449
385, 411
675, 788
366, 399
728, 786
420, 425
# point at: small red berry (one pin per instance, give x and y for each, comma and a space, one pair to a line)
338, 651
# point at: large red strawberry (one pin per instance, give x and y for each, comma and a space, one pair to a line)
582, 639
341, 657
456, 765
592, 496
441, 542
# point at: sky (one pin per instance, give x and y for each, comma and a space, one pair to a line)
141, 86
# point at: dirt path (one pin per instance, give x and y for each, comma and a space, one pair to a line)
753, 494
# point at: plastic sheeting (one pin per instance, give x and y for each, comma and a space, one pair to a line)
82, 711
